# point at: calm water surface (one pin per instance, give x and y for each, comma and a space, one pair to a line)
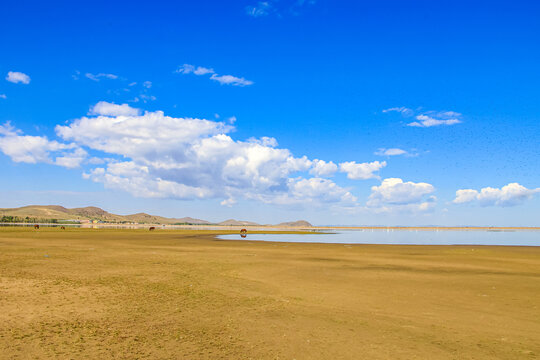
404, 237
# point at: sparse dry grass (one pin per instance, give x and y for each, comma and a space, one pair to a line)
132, 294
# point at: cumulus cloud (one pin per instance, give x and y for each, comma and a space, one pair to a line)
111, 109
189, 158
509, 195
71, 159
394, 194
465, 195
361, 171
98, 77
96, 161
36, 149
265, 141
311, 192
222, 79
323, 168
149, 154
134, 135
18, 77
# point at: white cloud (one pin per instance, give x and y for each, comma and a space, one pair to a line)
203, 71
135, 135
231, 120
135, 179
147, 84
391, 152
323, 168
314, 190
429, 121
394, 194
231, 80
189, 69
465, 195
509, 195
18, 77
185, 69
262, 8
3, 96
145, 98
450, 114
153, 155
96, 161
72, 159
403, 110
110, 109
362, 171
228, 202
189, 158
222, 79
98, 77
36, 149
428, 118
265, 141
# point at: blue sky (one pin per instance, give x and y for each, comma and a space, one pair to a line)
423, 112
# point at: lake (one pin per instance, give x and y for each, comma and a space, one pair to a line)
405, 237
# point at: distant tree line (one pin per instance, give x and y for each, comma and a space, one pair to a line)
187, 223
30, 220
27, 219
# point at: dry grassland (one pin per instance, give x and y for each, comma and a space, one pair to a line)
134, 294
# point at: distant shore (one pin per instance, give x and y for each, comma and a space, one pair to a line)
438, 228
277, 228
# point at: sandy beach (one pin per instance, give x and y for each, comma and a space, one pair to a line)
109, 293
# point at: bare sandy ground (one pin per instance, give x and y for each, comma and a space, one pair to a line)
134, 294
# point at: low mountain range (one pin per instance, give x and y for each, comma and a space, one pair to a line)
60, 213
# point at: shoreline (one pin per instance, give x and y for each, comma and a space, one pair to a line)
252, 236
280, 228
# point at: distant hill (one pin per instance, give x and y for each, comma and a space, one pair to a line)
45, 212
299, 223
232, 222
49, 212
154, 219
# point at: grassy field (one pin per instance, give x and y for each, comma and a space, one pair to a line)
134, 294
